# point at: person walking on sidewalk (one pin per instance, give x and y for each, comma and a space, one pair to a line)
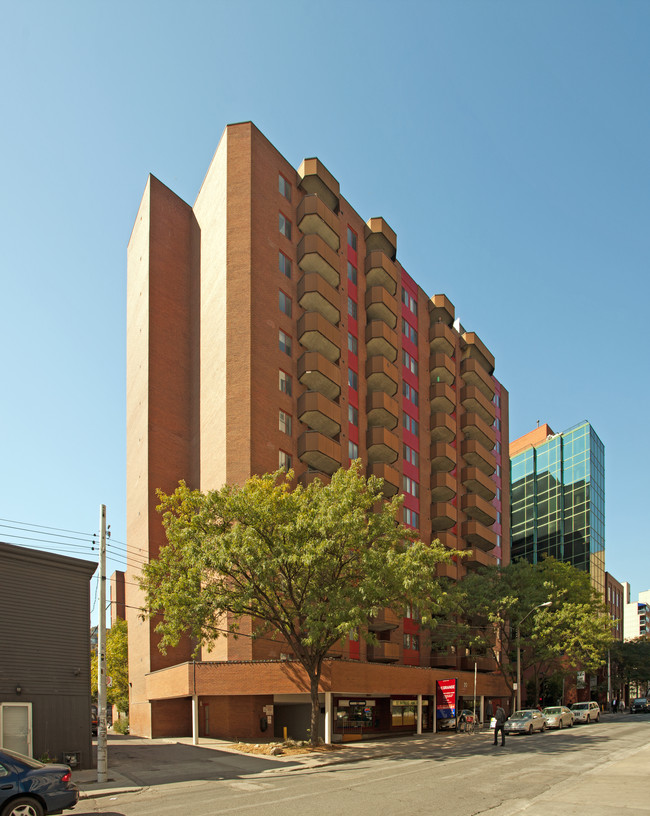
500, 716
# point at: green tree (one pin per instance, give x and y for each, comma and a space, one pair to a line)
117, 693
630, 662
575, 631
310, 564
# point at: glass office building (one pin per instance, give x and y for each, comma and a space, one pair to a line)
557, 498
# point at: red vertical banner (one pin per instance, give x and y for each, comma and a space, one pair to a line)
446, 699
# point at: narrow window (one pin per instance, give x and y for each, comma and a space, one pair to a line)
352, 308
353, 416
353, 379
285, 226
285, 303
284, 265
353, 450
284, 187
352, 239
284, 461
285, 382
285, 422
352, 273
284, 342
353, 344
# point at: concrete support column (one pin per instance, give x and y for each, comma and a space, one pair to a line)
419, 720
195, 719
329, 717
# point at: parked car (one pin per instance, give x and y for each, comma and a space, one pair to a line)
640, 705
453, 722
30, 788
525, 721
586, 712
558, 717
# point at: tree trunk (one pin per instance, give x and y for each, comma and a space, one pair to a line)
315, 706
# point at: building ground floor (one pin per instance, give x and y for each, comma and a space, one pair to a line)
260, 700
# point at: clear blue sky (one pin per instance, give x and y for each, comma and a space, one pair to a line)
506, 143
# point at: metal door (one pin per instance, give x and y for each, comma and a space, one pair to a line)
16, 727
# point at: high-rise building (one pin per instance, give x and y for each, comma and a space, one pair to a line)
270, 326
636, 614
557, 494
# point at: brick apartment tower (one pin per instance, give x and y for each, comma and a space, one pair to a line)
270, 325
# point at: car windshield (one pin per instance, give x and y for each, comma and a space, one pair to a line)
579, 706
521, 715
32, 763
640, 700
552, 711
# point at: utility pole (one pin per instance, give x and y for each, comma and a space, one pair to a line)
101, 652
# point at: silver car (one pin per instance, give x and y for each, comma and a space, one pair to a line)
558, 717
525, 722
586, 712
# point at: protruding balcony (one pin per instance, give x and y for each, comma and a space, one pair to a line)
314, 255
475, 428
475, 350
443, 660
317, 334
382, 445
383, 652
476, 535
442, 338
442, 398
319, 413
443, 428
476, 481
475, 454
443, 515
441, 310
478, 509
316, 295
317, 373
447, 540
443, 457
314, 217
380, 271
473, 400
380, 305
310, 476
381, 340
315, 178
475, 374
447, 571
384, 621
319, 452
483, 663
388, 474
379, 236
381, 410
442, 368
381, 375
478, 558
443, 486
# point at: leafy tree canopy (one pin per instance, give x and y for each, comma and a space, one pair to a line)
311, 564
631, 662
117, 693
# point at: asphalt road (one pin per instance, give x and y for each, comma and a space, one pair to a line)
597, 769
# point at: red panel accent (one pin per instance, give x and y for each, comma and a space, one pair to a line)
410, 470
353, 326
411, 502
410, 378
353, 362
353, 290
355, 650
411, 439
353, 396
353, 432
411, 627
410, 657
352, 255
409, 346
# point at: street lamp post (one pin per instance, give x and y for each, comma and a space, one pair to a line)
539, 606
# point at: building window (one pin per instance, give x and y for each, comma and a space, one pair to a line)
284, 265
411, 455
353, 450
352, 308
410, 486
285, 342
409, 332
284, 187
353, 379
498, 471
285, 382
498, 447
497, 424
353, 416
352, 239
285, 226
409, 301
498, 517
415, 642
353, 344
410, 424
352, 273
407, 641
409, 362
410, 393
411, 518
498, 496
285, 303
284, 461
496, 400
285, 422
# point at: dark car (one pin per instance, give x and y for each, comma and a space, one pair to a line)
640, 705
30, 788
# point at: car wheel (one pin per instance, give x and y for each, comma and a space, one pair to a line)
561, 726
23, 806
597, 718
588, 719
530, 729
543, 727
